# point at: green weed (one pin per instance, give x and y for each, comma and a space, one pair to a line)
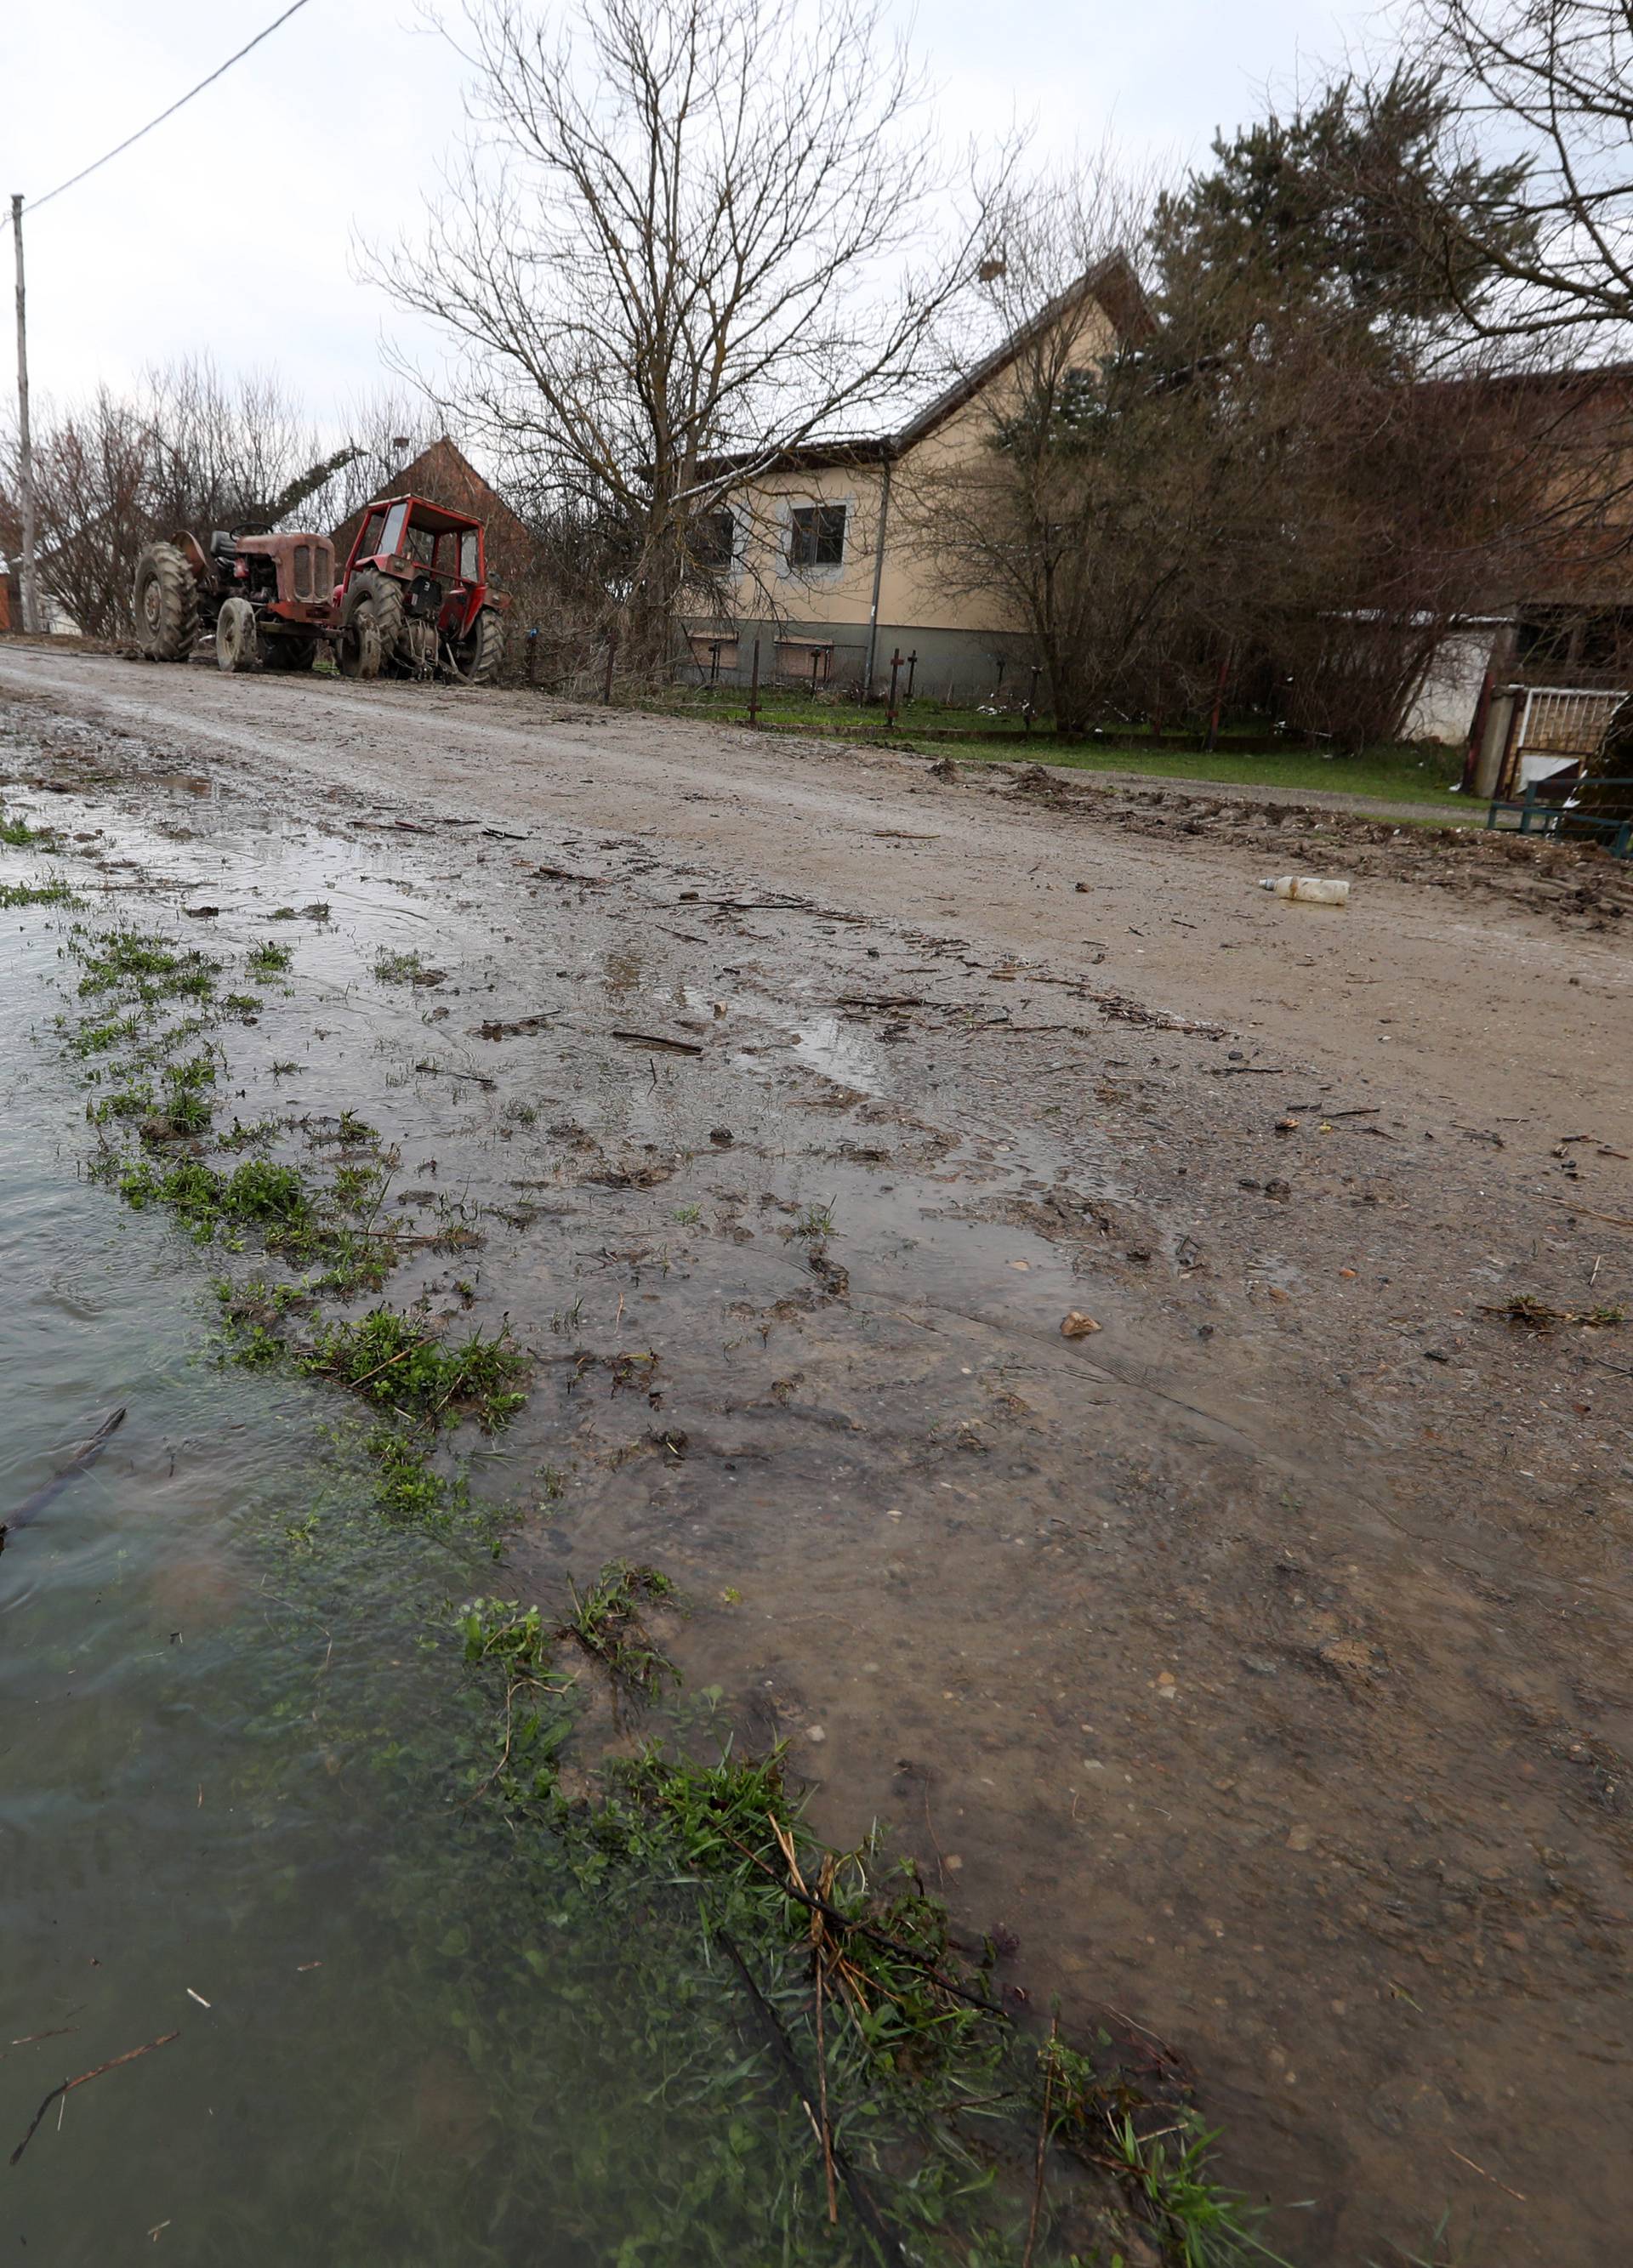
397, 967
124, 959
268, 959
55, 892
17, 835
606, 1621
395, 1363
257, 1195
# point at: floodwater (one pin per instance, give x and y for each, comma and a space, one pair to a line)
232, 1728
1260, 1726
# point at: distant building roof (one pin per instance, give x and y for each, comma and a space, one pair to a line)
443, 474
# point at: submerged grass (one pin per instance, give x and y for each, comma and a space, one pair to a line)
17, 835
52, 891
923, 2116
397, 1363
607, 1623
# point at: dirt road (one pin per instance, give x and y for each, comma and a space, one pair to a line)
1258, 1659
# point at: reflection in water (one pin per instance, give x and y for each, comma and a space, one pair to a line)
841, 1051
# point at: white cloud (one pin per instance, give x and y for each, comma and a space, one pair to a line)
230, 228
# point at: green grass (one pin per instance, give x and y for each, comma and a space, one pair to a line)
1395, 774
395, 1362
268, 959
258, 1195
17, 835
53, 892
606, 1621
397, 967
1404, 774
146, 968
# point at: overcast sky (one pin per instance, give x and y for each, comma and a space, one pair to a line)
229, 228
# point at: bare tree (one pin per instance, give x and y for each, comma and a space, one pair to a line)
1548, 86
184, 448
1265, 484
682, 229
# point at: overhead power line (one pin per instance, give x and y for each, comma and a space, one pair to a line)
85, 171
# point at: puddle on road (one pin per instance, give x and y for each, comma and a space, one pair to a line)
1151, 1677
225, 1813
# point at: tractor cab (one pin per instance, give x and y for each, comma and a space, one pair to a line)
415, 583
436, 554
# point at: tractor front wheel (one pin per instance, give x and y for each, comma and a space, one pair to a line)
475, 658
371, 624
165, 601
238, 637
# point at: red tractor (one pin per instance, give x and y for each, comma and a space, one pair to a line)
268, 601
413, 599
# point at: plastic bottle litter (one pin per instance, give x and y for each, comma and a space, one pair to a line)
1308, 889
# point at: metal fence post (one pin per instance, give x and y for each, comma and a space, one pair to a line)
754, 686
896, 664
533, 655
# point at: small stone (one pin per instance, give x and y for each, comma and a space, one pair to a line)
1300, 1838
1164, 1677
952, 1864
814, 1733
1076, 1326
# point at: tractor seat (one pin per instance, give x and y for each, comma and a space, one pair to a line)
222, 544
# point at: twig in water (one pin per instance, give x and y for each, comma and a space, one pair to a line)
1485, 2176
771, 2024
880, 1937
1043, 2146
69, 2085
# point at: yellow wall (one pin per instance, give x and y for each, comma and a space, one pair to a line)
909, 594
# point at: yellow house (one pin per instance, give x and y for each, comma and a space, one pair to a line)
817, 559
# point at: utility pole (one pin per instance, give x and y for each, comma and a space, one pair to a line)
30, 588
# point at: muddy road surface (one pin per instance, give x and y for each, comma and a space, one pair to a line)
1256, 1658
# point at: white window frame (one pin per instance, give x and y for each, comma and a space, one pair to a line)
814, 577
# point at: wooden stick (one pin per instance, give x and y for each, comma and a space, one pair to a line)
1617, 1219
69, 2085
1043, 2147
782, 2047
822, 2097
1485, 2176
880, 1937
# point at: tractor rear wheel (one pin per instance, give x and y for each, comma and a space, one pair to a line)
290, 650
371, 615
475, 660
163, 599
238, 635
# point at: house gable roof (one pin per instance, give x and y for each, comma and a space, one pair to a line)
1111, 281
